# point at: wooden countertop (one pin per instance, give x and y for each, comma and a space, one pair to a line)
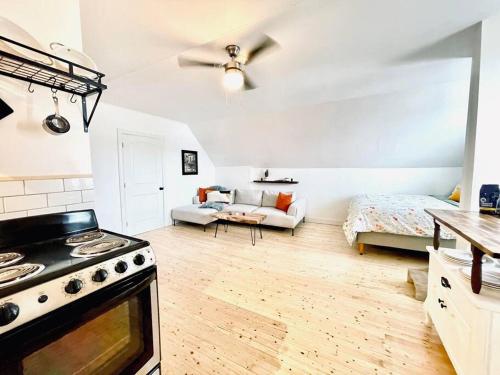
482, 231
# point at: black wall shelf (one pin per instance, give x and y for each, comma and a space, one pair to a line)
59, 76
275, 182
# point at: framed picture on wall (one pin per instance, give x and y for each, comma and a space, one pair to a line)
189, 162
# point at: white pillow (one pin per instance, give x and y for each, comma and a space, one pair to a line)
217, 196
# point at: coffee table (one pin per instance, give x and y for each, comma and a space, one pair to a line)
253, 220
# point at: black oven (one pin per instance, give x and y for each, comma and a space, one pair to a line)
112, 331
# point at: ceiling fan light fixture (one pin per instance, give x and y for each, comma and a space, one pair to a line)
233, 79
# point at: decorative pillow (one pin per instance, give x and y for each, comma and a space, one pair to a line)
217, 196
455, 196
202, 194
284, 201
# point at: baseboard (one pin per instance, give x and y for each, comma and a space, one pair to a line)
323, 220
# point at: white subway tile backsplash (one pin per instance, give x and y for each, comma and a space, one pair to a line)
20, 198
88, 195
48, 210
24, 202
43, 186
13, 215
71, 184
81, 206
11, 188
68, 197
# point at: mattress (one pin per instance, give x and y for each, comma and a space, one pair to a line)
395, 214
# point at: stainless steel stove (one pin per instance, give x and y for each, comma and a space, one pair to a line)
67, 286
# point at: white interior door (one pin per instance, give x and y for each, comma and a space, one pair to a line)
141, 182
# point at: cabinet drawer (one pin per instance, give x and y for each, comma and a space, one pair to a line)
446, 286
454, 331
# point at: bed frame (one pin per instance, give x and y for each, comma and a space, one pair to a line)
397, 241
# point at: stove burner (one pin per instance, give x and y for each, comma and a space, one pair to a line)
6, 259
14, 274
85, 237
99, 247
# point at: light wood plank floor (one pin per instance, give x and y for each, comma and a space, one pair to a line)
307, 304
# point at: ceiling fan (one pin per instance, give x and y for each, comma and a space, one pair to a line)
235, 77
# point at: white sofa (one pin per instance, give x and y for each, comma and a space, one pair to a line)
256, 201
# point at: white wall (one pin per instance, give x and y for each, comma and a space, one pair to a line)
484, 131
415, 128
27, 150
179, 189
329, 190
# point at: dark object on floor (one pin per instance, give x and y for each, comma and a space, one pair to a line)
489, 201
5, 109
418, 277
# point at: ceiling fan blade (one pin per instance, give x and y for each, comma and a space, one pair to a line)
248, 83
188, 63
266, 43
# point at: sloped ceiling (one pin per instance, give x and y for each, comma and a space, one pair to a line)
356, 83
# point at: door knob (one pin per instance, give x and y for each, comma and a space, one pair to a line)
161, 188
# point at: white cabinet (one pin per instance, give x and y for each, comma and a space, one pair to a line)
467, 323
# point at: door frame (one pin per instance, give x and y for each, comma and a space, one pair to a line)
121, 175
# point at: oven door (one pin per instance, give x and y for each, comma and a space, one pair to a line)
112, 331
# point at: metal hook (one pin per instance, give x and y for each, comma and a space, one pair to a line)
31, 90
71, 99
53, 78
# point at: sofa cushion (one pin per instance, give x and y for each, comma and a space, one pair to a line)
276, 217
246, 208
194, 214
251, 197
269, 198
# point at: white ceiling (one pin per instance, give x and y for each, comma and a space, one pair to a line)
332, 52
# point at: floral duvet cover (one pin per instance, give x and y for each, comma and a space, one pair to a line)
396, 214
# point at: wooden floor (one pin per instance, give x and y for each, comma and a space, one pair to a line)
307, 304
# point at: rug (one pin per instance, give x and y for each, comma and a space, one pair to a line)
418, 277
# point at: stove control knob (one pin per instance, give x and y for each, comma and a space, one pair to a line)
8, 313
73, 286
139, 260
100, 275
121, 266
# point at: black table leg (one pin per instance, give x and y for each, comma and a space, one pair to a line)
476, 278
260, 230
437, 234
216, 227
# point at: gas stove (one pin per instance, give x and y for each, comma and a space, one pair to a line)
58, 262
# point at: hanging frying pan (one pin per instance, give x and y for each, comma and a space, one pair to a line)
56, 124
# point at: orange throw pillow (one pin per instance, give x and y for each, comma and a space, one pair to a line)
284, 201
202, 194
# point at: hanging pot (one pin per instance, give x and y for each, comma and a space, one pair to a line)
56, 124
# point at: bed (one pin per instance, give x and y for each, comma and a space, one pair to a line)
395, 220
